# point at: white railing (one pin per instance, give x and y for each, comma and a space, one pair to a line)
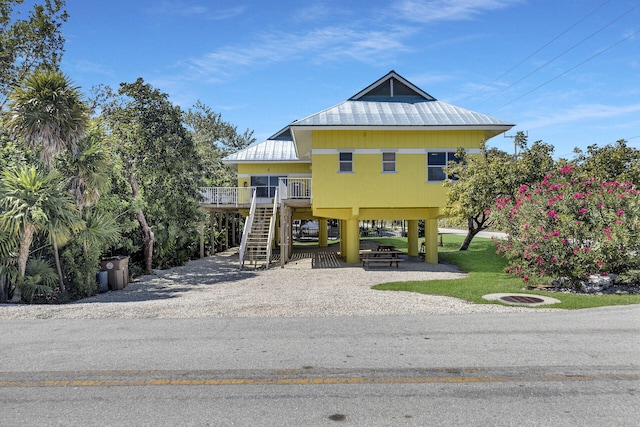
225, 196
272, 228
247, 227
295, 188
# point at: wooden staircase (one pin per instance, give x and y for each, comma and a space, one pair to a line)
259, 233
257, 250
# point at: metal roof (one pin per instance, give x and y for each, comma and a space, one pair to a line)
265, 151
398, 113
391, 101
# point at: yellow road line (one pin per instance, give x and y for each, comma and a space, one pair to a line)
310, 380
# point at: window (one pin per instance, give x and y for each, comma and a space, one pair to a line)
388, 162
346, 162
265, 185
437, 162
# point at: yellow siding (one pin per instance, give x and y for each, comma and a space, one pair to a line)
368, 186
397, 139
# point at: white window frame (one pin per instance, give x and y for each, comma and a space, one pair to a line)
389, 166
449, 157
345, 162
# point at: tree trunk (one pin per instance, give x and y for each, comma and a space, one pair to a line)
23, 256
470, 235
56, 256
4, 289
476, 224
147, 234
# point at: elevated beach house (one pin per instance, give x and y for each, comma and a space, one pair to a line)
379, 155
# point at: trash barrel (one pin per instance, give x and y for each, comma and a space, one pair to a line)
117, 271
102, 277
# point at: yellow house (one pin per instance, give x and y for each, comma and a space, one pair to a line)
379, 155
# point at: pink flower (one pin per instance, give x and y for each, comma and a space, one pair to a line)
554, 259
526, 278
566, 170
600, 263
620, 212
582, 211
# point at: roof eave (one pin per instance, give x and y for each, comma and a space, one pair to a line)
503, 128
236, 162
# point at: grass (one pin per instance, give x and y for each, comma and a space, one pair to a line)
486, 276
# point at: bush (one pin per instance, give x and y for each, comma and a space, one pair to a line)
568, 226
80, 270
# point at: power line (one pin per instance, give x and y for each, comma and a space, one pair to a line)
574, 67
540, 49
564, 52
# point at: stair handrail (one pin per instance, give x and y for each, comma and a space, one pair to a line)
248, 222
272, 227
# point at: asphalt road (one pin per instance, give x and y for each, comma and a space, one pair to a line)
561, 368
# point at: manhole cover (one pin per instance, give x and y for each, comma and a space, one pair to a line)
519, 299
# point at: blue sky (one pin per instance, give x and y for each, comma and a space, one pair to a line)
565, 71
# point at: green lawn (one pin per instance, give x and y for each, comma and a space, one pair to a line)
486, 276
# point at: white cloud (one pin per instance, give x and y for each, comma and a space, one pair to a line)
369, 39
582, 112
179, 8
322, 44
84, 66
424, 11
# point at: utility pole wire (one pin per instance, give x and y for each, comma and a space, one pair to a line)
574, 67
563, 53
539, 49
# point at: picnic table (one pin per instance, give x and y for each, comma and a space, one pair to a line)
385, 247
384, 254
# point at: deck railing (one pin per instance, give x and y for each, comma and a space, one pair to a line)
295, 188
225, 196
272, 227
247, 228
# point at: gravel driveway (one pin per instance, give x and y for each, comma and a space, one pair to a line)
315, 284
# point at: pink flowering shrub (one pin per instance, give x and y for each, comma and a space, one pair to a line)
570, 226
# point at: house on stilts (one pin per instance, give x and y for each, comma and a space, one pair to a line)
379, 155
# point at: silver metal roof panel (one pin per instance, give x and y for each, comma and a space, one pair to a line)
395, 113
266, 151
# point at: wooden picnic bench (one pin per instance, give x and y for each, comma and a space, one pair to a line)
381, 257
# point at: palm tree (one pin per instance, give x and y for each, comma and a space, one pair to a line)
88, 167
29, 202
39, 280
100, 229
8, 271
48, 113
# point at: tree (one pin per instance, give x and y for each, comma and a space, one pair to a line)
480, 180
30, 200
161, 164
87, 169
215, 139
39, 279
47, 112
613, 162
28, 44
8, 271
